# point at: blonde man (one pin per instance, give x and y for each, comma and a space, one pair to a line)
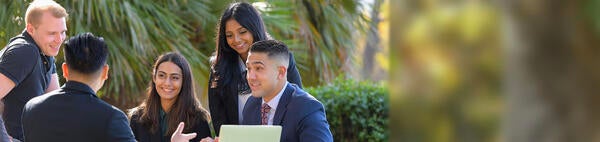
27, 66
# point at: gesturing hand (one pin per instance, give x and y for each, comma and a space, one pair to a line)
179, 137
208, 139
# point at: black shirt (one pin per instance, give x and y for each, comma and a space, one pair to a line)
74, 113
31, 71
143, 133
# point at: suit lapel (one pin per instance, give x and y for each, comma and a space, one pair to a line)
252, 116
283, 102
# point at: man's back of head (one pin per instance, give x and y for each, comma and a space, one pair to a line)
85, 59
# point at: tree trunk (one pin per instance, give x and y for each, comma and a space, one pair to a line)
373, 40
551, 79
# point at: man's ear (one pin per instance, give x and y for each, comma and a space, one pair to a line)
65, 71
30, 28
105, 71
281, 72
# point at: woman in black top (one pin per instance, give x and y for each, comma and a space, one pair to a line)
170, 100
239, 27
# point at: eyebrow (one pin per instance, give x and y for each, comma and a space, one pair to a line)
235, 30
256, 62
170, 74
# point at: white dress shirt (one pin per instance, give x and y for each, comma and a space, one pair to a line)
273, 104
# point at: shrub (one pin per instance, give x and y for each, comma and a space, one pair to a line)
356, 111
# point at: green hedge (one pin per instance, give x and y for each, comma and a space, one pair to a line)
356, 111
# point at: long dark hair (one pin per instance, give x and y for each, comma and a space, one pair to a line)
225, 66
186, 107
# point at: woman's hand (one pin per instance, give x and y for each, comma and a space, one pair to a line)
179, 137
208, 139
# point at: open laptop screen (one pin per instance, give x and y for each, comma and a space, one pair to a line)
250, 133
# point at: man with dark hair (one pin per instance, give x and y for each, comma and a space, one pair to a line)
27, 65
275, 101
74, 112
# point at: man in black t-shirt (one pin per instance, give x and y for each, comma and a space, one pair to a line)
27, 66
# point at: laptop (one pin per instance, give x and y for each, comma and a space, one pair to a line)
250, 133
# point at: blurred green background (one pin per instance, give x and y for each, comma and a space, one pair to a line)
494, 70
447, 66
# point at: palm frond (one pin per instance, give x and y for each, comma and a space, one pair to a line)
320, 33
137, 32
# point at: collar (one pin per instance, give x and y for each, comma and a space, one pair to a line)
80, 87
162, 113
275, 101
242, 64
29, 39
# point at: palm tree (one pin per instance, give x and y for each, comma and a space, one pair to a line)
320, 33
12, 13
136, 32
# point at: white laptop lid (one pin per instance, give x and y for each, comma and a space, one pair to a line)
250, 133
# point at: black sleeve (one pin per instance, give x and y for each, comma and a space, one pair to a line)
216, 106
134, 125
293, 75
3, 134
118, 129
16, 62
202, 130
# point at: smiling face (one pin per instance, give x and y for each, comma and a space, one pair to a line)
238, 37
49, 33
265, 76
168, 80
